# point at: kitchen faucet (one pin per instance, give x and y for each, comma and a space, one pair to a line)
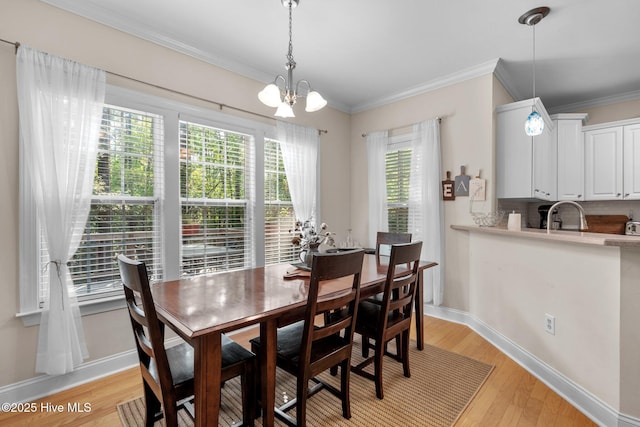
583, 220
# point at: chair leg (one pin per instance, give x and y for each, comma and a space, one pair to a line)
301, 404
333, 370
379, 354
257, 379
170, 414
152, 406
247, 383
365, 346
405, 353
344, 388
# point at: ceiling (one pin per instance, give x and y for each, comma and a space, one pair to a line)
363, 53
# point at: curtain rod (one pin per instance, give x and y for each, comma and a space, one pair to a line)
439, 119
219, 104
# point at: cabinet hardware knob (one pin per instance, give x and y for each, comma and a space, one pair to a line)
618, 195
626, 195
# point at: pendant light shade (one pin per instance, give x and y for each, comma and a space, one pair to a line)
315, 102
534, 125
284, 110
270, 95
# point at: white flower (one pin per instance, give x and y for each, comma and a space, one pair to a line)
305, 234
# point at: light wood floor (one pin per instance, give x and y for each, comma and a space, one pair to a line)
510, 397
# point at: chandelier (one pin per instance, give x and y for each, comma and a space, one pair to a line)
534, 125
284, 98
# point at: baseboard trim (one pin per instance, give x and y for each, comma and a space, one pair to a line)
594, 408
46, 385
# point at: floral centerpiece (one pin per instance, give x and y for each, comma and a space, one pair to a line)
308, 239
306, 236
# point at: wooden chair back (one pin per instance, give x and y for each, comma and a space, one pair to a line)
147, 329
342, 307
400, 288
384, 238
155, 363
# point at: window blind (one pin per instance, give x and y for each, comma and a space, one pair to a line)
279, 215
216, 189
124, 215
397, 169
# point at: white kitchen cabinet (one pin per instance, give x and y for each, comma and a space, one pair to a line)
631, 162
612, 161
570, 146
545, 165
524, 164
603, 163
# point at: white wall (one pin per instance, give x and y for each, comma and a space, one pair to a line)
37, 25
515, 281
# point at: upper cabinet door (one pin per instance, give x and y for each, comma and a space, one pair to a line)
545, 164
514, 155
603, 164
570, 157
632, 162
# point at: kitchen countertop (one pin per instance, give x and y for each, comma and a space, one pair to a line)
567, 236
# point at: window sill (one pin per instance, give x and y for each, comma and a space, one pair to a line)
87, 308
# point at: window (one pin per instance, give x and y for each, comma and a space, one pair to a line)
397, 167
124, 216
164, 176
216, 176
279, 217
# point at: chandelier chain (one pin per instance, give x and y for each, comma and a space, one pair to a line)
291, 63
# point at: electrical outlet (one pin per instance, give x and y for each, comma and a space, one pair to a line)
550, 324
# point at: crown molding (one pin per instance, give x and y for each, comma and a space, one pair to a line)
506, 82
598, 102
448, 80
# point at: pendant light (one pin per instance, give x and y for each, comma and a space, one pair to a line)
284, 98
534, 125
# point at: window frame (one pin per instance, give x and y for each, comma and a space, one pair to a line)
172, 111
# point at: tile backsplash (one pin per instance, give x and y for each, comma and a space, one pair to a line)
569, 215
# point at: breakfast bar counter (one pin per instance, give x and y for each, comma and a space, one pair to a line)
554, 297
567, 236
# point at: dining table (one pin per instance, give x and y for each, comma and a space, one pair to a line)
201, 308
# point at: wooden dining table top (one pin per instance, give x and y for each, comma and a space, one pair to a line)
230, 300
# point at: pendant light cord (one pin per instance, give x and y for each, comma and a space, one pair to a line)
534, 60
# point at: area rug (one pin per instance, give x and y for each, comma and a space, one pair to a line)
441, 386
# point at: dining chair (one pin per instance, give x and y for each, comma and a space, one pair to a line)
167, 373
385, 239
307, 348
389, 318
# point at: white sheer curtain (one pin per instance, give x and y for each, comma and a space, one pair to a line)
377, 145
60, 105
299, 147
426, 219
